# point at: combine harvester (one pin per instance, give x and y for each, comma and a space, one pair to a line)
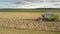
48, 16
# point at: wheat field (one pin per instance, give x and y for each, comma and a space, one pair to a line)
21, 15
12, 19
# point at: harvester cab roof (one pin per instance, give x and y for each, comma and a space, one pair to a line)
47, 14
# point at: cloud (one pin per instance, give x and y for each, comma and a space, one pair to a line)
28, 4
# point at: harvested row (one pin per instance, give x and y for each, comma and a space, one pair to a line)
29, 24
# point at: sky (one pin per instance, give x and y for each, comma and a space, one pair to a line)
27, 4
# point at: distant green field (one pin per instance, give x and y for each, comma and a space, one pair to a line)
31, 10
